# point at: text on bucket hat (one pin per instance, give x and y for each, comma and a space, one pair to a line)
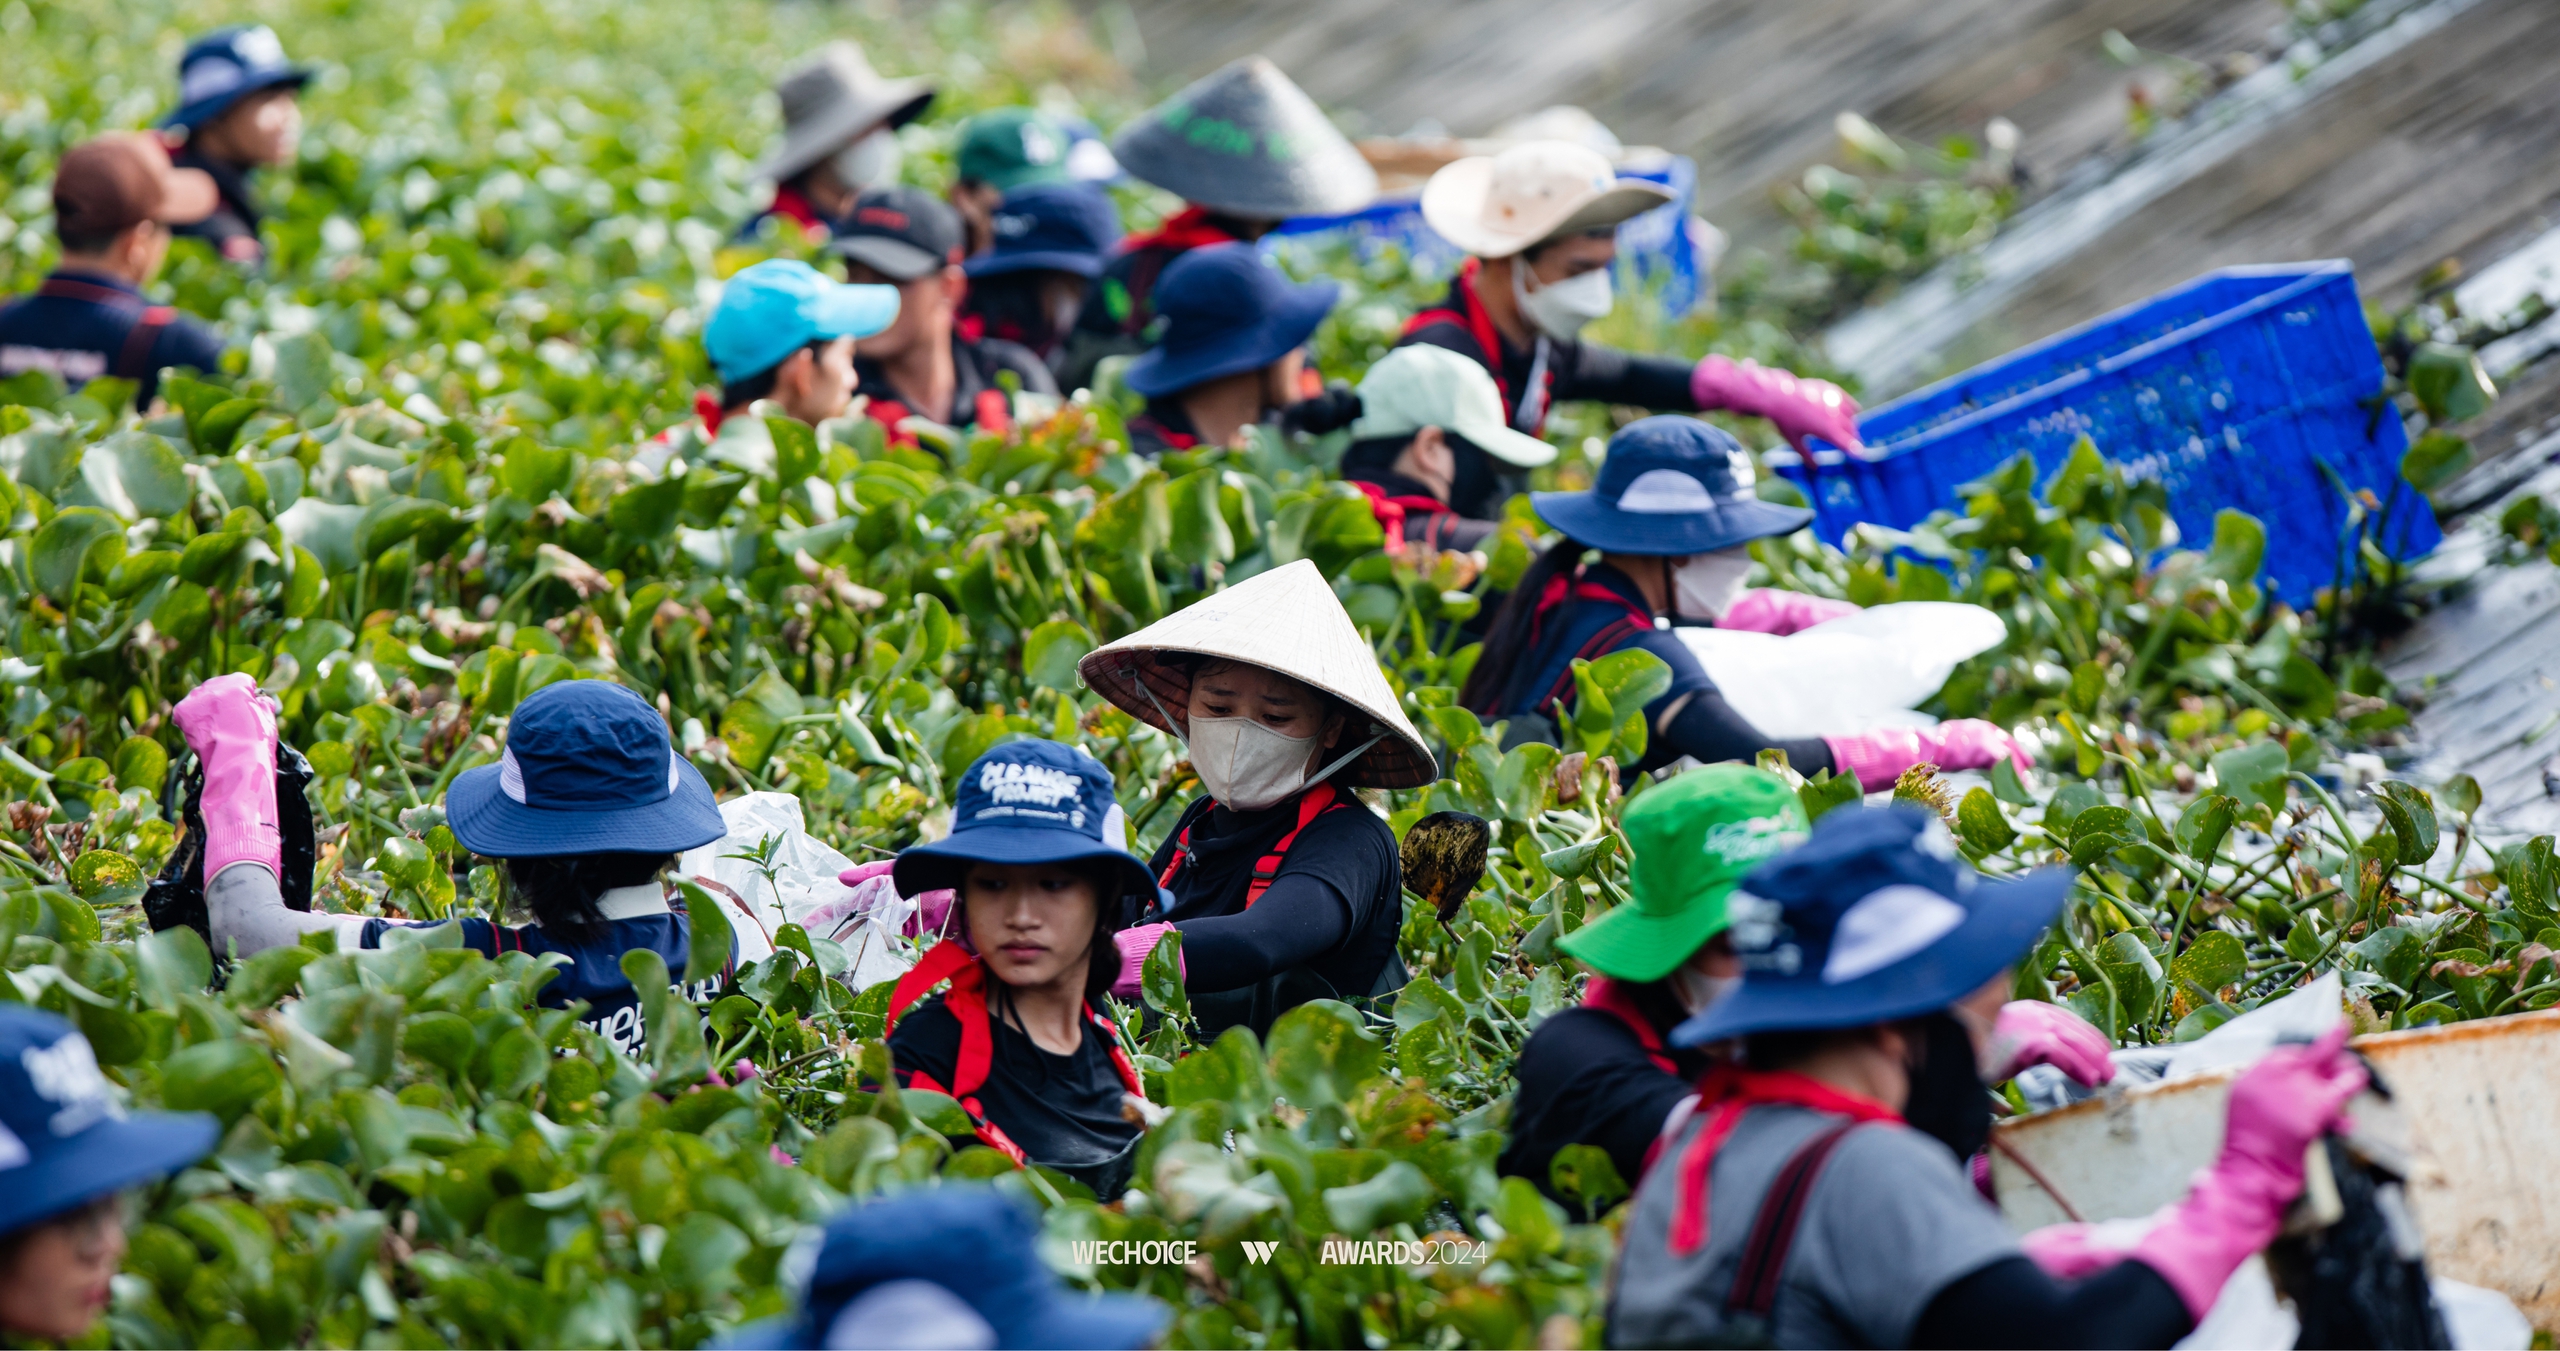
1028, 802
1494, 206
1247, 141
1226, 310
1690, 839
1420, 386
1054, 227
774, 308
587, 768
1670, 486
1874, 918
1010, 148
830, 99
900, 232
107, 186
64, 1139
1286, 620
227, 65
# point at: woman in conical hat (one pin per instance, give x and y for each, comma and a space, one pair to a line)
1285, 887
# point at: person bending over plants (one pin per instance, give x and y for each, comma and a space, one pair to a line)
586, 808
1042, 884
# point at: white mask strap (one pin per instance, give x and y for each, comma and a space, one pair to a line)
1353, 754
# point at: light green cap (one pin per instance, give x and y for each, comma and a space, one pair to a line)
1693, 836
1011, 147
1422, 386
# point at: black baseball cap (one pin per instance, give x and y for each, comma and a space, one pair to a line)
901, 233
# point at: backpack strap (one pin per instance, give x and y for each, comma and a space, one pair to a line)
1322, 798
135, 361
1773, 1231
1600, 644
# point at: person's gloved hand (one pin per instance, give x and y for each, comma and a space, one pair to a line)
232, 729
2032, 1032
1880, 756
1766, 609
2278, 1107
1799, 406
1134, 945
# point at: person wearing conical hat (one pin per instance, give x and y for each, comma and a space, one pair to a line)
1245, 149
1604, 1073
1284, 885
840, 121
1672, 519
1539, 222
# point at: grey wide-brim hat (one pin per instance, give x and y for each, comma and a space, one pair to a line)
829, 99
1286, 620
1247, 141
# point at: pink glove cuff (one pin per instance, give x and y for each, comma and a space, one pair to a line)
1134, 945
1800, 407
1769, 610
232, 730
1877, 758
2031, 1032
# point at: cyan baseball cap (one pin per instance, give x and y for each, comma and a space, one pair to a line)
776, 307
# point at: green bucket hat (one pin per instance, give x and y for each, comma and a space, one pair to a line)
1694, 836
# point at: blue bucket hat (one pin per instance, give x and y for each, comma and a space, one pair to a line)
1027, 802
227, 65
1874, 918
959, 1259
1053, 227
587, 769
64, 1140
1226, 310
776, 307
1668, 488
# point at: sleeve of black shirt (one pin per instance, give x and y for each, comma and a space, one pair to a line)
1296, 921
2013, 1303
187, 343
1587, 370
1709, 729
1585, 1079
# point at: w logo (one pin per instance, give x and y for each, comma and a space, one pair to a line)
1257, 1251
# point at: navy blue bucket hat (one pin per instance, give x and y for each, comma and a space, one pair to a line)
587, 769
1226, 310
954, 1265
227, 65
1874, 918
64, 1140
1670, 487
1027, 802
1051, 227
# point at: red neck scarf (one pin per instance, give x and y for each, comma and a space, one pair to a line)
1187, 229
1724, 1094
787, 201
1392, 511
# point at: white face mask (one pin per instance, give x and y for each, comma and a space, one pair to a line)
1697, 993
870, 162
1704, 586
1561, 308
1245, 765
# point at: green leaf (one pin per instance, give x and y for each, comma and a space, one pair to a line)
1198, 532
172, 963
795, 450
2393, 953
2449, 382
101, 870
647, 511
2100, 831
2412, 815
1160, 979
2204, 824
1982, 824
2007, 786
62, 547
222, 1077
2254, 773
303, 370
1050, 653
703, 1253
136, 475
140, 763
532, 472
676, 1047
1578, 861
327, 530
393, 520
2214, 960
1321, 1053
1398, 1194
1826, 790
2438, 459
1585, 1173
2239, 547
711, 942
2136, 973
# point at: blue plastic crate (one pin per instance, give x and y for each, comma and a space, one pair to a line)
2231, 390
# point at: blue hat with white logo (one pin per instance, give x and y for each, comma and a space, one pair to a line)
1051, 227
64, 1138
774, 308
1874, 918
1669, 487
227, 65
1027, 802
587, 769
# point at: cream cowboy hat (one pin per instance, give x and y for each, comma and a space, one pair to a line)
1286, 620
1493, 206
832, 97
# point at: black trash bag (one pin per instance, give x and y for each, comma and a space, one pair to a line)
2360, 1281
176, 896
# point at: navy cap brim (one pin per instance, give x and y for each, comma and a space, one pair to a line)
106, 1158
203, 110
945, 862
1104, 1320
2002, 922
1085, 265
1591, 519
1159, 372
493, 825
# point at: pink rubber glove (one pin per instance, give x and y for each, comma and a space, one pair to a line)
1879, 757
1134, 945
1800, 407
863, 872
1765, 609
232, 729
933, 915
2283, 1103
2032, 1032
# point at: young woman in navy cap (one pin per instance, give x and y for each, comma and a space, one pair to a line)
1042, 883
587, 807
1672, 523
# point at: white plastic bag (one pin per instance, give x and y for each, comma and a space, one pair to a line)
803, 884
1852, 674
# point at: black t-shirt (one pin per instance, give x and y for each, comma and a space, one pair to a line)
1586, 1080
1341, 870
973, 370
1063, 1110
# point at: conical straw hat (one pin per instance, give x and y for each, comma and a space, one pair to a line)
1285, 620
1247, 141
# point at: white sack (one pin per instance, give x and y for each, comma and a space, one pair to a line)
804, 881
1852, 674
